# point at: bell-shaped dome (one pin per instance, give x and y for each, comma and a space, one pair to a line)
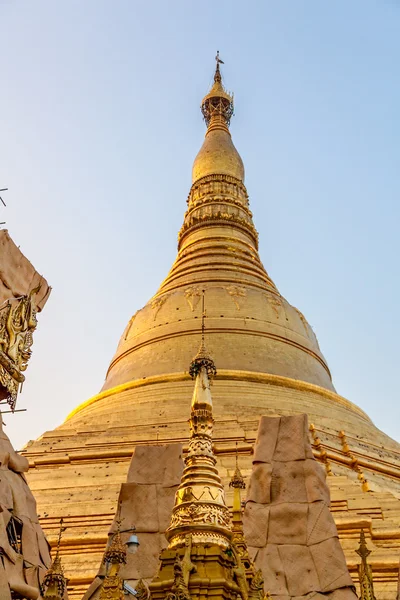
218, 155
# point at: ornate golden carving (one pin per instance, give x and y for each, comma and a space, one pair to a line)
193, 295
240, 573
302, 319
220, 184
187, 566
54, 582
129, 326
114, 557
17, 324
218, 198
256, 591
235, 293
157, 303
364, 571
199, 513
112, 588
274, 301
179, 590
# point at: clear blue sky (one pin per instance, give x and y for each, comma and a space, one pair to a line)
100, 122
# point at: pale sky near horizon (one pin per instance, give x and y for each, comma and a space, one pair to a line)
100, 123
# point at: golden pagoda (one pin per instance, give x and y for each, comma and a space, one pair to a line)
269, 363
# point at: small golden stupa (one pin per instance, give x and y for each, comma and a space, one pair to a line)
269, 363
201, 539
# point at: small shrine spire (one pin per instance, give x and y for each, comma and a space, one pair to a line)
54, 586
202, 358
200, 509
114, 556
239, 546
364, 571
200, 517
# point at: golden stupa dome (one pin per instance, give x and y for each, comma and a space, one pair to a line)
218, 154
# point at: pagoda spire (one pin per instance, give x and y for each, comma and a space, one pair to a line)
54, 586
217, 106
200, 509
113, 586
364, 571
205, 551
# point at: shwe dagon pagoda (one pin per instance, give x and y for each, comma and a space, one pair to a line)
269, 364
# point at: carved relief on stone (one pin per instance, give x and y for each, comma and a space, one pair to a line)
236, 293
275, 302
212, 208
17, 324
193, 295
157, 303
200, 513
302, 319
129, 326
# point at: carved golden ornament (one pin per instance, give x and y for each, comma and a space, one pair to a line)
217, 184
17, 324
239, 572
218, 198
129, 326
200, 493
237, 481
235, 293
193, 295
179, 589
199, 513
364, 571
256, 591
188, 567
274, 301
200, 537
116, 552
112, 588
216, 218
302, 319
54, 582
157, 303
